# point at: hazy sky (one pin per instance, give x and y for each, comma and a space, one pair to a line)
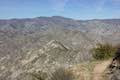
78, 9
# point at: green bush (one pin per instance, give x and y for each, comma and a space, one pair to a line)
103, 51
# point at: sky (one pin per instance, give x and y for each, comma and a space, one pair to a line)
77, 9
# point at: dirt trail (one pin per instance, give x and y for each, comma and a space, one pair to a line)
99, 69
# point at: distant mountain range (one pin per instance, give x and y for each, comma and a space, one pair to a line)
40, 43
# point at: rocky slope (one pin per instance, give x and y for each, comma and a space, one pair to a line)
50, 57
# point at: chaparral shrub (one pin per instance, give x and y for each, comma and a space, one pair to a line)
103, 51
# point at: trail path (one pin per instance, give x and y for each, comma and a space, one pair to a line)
99, 69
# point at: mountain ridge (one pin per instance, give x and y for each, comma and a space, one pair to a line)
46, 43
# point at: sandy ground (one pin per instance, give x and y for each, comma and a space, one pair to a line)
99, 70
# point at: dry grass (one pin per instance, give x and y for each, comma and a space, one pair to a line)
84, 71
62, 74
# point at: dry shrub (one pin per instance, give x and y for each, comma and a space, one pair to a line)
39, 75
62, 74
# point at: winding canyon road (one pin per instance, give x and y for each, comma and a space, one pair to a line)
99, 69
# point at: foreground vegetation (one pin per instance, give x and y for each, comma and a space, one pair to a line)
82, 71
103, 51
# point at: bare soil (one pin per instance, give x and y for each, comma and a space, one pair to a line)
99, 69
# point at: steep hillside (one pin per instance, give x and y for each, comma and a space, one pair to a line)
50, 57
